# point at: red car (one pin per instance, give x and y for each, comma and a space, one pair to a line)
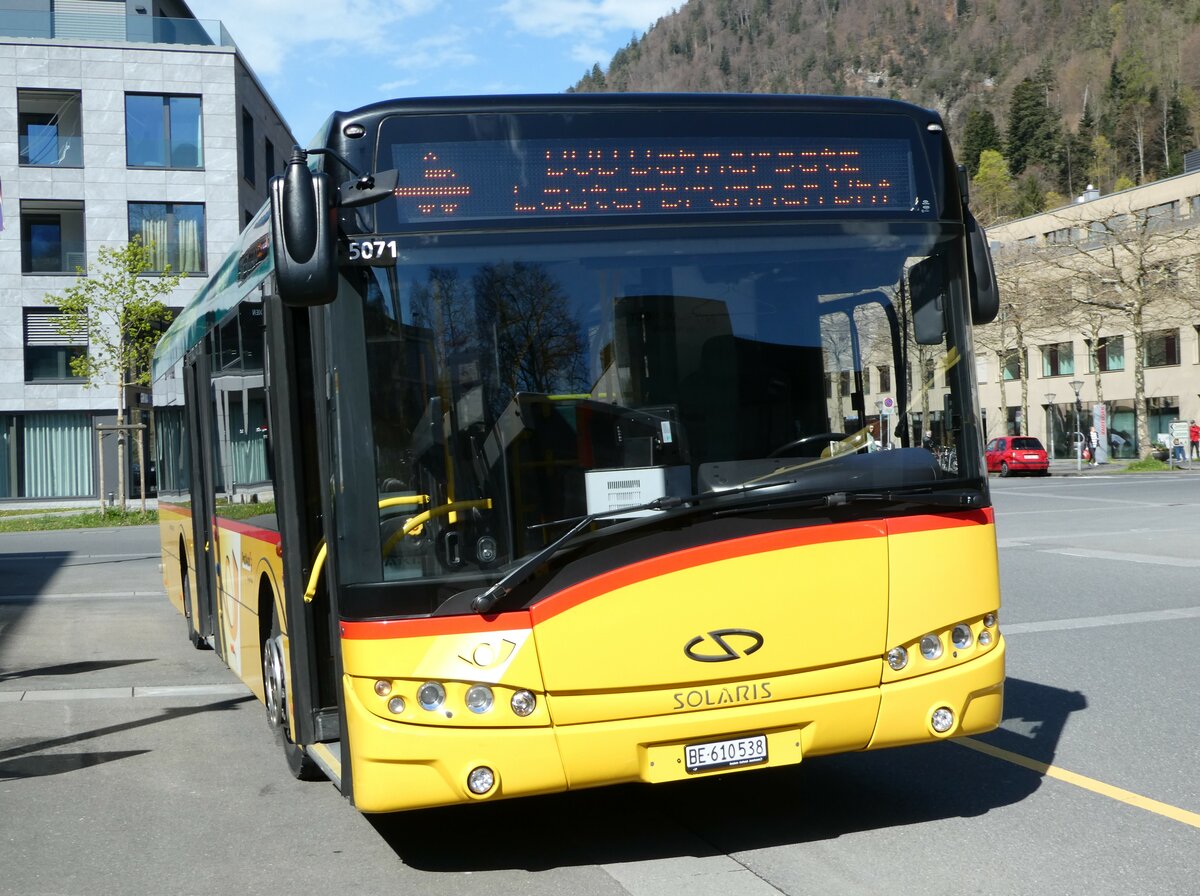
1016, 454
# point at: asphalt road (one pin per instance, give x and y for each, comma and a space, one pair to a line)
132, 764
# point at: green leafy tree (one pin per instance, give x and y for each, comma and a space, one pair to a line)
992, 192
120, 310
979, 133
1030, 197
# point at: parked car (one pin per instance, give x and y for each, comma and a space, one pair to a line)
1016, 454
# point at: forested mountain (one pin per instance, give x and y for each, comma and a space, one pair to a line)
1067, 92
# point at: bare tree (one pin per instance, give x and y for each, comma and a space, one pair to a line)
1132, 263
1031, 307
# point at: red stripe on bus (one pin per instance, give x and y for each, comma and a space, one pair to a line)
644, 570
267, 535
904, 525
700, 556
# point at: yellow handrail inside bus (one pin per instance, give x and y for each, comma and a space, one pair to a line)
414, 523
411, 524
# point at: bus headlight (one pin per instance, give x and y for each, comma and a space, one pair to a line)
396, 705
523, 703
942, 719
897, 658
931, 647
961, 636
480, 780
479, 698
431, 695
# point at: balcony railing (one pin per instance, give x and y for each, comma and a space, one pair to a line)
76, 26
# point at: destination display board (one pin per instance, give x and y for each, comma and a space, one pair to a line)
565, 178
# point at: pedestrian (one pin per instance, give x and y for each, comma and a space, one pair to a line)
1194, 438
1094, 445
928, 443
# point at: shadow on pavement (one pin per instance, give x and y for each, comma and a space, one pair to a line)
70, 668
820, 799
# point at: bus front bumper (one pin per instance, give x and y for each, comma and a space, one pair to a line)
403, 766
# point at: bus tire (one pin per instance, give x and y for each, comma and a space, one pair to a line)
194, 636
299, 762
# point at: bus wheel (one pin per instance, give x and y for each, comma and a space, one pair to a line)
194, 636
300, 763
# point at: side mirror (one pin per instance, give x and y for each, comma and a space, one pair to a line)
981, 276
302, 236
925, 280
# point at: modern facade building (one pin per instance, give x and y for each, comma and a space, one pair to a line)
118, 119
1138, 245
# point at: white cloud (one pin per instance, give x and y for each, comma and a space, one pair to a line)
590, 18
271, 33
449, 49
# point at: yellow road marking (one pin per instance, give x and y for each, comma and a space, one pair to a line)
1099, 787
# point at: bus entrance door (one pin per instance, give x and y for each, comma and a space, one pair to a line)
201, 613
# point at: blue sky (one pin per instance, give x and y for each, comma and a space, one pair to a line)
319, 55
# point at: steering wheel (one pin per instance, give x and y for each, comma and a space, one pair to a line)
805, 445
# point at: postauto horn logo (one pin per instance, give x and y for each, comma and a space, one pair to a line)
723, 645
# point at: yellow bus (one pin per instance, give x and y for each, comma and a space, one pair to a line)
536, 443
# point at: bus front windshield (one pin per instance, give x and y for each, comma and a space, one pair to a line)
520, 382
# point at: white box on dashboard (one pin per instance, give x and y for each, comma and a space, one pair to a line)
610, 490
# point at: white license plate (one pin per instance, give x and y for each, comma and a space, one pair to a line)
731, 753
1031, 457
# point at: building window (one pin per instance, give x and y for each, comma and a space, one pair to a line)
52, 237
929, 374
1058, 359
176, 230
163, 131
1159, 217
884, 373
269, 158
1110, 354
48, 351
1161, 412
1162, 348
1012, 365
1014, 425
46, 455
247, 147
845, 390
49, 128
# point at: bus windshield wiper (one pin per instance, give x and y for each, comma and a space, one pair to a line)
487, 600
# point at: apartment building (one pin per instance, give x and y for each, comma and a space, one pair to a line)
1141, 243
118, 118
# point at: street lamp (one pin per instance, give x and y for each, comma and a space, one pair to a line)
1050, 421
1076, 385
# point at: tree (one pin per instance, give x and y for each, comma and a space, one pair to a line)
1029, 308
1135, 274
992, 189
979, 133
1034, 126
120, 309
